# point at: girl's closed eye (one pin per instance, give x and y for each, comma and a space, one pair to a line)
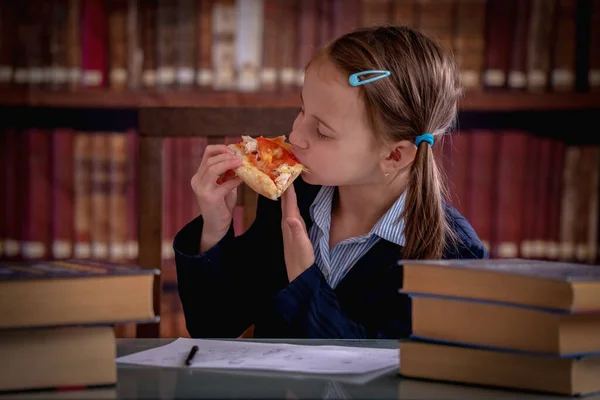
320, 135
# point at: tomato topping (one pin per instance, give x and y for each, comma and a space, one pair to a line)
227, 175
274, 152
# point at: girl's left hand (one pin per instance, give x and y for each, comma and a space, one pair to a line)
297, 248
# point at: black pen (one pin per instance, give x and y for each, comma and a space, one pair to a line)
193, 351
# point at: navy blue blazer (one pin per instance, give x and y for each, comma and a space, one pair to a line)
243, 280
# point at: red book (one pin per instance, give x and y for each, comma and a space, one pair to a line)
11, 207
456, 166
510, 185
63, 232
35, 193
94, 43
482, 181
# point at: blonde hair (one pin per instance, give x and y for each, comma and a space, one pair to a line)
420, 96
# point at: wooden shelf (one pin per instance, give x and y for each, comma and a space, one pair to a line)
128, 99
524, 101
472, 101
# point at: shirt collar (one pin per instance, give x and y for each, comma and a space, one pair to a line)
389, 227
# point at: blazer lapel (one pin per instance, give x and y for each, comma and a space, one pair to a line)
380, 259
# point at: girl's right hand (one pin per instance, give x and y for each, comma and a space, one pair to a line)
216, 196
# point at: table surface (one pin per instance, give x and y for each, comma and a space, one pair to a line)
139, 382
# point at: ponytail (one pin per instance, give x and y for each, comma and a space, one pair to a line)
426, 229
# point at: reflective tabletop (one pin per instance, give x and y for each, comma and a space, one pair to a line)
139, 382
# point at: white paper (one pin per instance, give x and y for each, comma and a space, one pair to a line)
243, 355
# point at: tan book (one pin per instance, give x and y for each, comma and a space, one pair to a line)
569, 376
554, 285
73, 292
62, 358
117, 44
505, 326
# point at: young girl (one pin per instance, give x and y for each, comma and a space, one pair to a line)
323, 261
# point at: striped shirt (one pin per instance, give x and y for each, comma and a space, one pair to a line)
336, 262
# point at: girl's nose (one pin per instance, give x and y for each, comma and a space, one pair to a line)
297, 137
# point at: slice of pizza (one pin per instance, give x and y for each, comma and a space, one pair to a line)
268, 165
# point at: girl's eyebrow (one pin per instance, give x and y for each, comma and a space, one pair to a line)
316, 117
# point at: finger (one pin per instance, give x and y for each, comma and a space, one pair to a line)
289, 203
296, 228
212, 173
221, 157
214, 149
215, 160
228, 186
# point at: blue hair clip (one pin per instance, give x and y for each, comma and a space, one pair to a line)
354, 81
426, 137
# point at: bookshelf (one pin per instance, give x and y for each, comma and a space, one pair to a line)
42, 111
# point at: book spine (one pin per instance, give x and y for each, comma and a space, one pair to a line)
13, 207
287, 28
74, 71
134, 40
185, 75
224, 30
270, 38
82, 208
563, 63
437, 19
498, 42
63, 233
307, 36
541, 24
469, 41
8, 42
94, 40
482, 190
517, 70
117, 201
166, 44
457, 166
149, 24
132, 196
117, 44
58, 76
249, 45
35, 194
511, 184
100, 193
204, 39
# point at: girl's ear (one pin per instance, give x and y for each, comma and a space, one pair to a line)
397, 156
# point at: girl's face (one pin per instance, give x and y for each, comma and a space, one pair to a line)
331, 135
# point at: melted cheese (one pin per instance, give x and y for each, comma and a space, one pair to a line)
250, 144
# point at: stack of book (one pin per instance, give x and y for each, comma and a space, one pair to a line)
512, 323
57, 321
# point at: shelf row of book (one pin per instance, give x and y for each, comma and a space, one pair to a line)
71, 193
264, 45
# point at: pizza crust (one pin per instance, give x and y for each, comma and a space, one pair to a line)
261, 182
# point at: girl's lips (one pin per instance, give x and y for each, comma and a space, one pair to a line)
297, 156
